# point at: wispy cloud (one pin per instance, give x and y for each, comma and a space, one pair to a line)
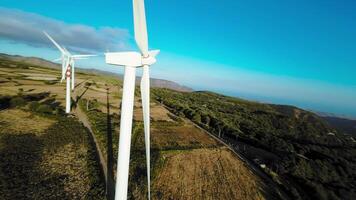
24, 27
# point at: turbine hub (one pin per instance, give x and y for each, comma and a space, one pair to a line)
150, 60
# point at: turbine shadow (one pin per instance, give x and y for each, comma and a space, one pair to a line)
81, 95
110, 186
78, 84
74, 102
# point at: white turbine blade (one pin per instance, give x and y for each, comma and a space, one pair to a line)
54, 42
145, 96
82, 56
132, 59
67, 52
154, 53
140, 26
72, 66
63, 68
56, 60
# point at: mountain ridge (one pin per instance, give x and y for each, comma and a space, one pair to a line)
342, 123
155, 82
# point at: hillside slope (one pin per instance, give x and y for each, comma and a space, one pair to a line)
186, 162
297, 148
342, 125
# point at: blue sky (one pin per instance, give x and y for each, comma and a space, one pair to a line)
284, 51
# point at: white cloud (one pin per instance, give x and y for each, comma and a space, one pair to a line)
24, 27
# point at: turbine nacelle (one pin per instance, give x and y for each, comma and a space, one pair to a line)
132, 58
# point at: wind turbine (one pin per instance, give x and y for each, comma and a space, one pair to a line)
132, 60
67, 68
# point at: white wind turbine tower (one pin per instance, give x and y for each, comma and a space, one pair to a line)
132, 60
67, 68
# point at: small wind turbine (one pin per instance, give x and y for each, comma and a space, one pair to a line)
132, 60
67, 68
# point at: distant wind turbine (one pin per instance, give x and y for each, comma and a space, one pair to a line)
67, 68
132, 60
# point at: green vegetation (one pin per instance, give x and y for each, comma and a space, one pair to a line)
17, 101
312, 160
99, 125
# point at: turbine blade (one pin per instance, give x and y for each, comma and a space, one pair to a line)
67, 52
145, 96
133, 59
140, 26
58, 59
72, 81
154, 53
83, 56
63, 68
54, 42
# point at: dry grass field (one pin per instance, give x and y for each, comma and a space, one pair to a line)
205, 174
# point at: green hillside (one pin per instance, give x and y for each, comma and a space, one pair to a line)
301, 151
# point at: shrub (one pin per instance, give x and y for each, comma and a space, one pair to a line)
20, 91
46, 109
87, 84
23, 66
58, 111
50, 82
17, 102
33, 106
93, 104
4, 102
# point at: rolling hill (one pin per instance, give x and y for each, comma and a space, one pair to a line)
187, 162
159, 83
343, 125
204, 145
301, 151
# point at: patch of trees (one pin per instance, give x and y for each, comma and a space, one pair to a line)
314, 164
40, 103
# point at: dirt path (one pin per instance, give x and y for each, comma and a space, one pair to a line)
84, 119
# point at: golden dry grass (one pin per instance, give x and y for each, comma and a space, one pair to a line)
185, 136
64, 161
17, 121
157, 113
205, 174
